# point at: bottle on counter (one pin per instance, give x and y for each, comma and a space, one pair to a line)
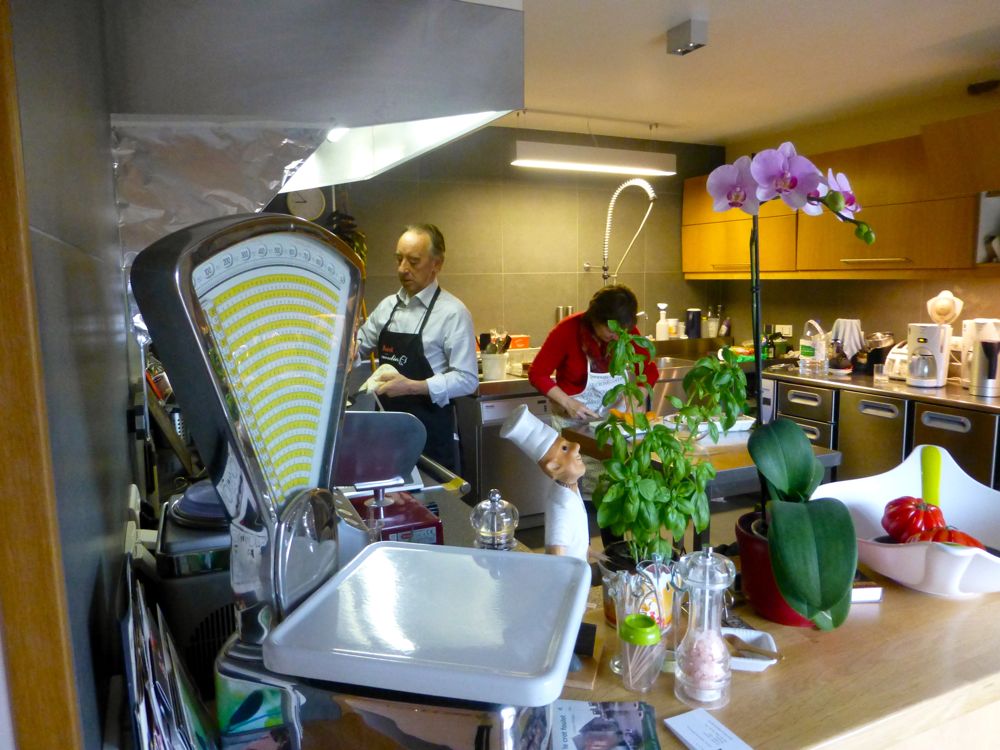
712, 322
662, 327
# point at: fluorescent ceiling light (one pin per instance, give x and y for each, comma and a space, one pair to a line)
361, 153
593, 159
336, 134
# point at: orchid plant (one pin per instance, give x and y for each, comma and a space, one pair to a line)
812, 545
783, 173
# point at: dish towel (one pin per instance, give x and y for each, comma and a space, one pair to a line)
848, 332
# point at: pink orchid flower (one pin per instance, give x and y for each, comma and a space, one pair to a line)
782, 173
814, 207
839, 183
732, 186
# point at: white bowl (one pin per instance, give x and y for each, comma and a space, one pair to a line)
934, 568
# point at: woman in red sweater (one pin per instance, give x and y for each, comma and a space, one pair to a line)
571, 368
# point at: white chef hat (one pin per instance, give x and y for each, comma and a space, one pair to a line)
528, 433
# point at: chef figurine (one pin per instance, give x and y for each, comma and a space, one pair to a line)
566, 528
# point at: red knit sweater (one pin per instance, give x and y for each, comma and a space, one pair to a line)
565, 353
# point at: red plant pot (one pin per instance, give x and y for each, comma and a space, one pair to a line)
758, 579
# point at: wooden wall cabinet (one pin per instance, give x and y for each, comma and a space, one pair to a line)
724, 246
718, 242
914, 229
926, 235
917, 230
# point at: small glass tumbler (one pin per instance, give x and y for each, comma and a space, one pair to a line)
879, 375
642, 652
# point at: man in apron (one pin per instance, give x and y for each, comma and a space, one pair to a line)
426, 334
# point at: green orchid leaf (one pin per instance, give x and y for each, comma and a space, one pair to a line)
784, 457
814, 554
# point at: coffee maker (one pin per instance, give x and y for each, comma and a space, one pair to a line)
929, 346
984, 380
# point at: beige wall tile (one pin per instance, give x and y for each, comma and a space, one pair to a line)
539, 226
469, 217
530, 300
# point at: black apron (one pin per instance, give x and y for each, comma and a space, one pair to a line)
405, 352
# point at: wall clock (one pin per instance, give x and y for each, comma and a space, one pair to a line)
306, 204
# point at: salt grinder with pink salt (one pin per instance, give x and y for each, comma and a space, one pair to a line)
702, 675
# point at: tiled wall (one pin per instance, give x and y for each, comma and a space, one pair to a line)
518, 239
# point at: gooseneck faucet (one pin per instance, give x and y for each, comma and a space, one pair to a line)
637, 182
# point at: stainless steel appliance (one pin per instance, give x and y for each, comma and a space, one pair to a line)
929, 348
984, 380
491, 462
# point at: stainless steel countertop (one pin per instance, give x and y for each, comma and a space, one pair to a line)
951, 394
510, 386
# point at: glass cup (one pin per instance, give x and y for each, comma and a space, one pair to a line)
879, 375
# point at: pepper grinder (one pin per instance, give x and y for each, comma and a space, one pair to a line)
494, 521
702, 675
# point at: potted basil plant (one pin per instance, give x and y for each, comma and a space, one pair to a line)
799, 557
651, 504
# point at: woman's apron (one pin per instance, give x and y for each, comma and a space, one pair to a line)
405, 352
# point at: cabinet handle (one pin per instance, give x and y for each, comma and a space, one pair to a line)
875, 260
948, 422
803, 397
878, 409
811, 432
731, 266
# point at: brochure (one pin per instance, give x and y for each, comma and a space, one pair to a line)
615, 725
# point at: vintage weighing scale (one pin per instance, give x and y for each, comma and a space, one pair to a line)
253, 317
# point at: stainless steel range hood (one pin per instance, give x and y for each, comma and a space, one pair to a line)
218, 104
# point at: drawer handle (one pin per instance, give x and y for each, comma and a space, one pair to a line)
811, 432
948, 422
803, 397
731, 266
878, 409
858, 261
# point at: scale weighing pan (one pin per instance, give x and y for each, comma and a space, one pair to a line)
482, 625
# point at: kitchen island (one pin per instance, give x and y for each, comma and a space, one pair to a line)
912, 671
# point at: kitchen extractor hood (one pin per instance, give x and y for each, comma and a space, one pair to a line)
361, 153
219, 104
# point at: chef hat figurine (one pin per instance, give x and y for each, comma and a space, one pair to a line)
566, 528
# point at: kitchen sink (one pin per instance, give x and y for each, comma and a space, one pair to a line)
673, 368
670, 382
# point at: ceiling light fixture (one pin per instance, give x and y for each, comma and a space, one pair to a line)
687, 37
592, 159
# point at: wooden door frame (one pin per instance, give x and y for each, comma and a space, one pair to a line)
33, 610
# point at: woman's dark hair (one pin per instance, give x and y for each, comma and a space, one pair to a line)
616, 302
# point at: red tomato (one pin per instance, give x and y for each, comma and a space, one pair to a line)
906, 516
946, 534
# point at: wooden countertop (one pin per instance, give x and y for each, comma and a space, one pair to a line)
913, 671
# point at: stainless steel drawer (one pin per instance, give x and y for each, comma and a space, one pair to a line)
819, 433
871, 434
969, 436
817, 404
